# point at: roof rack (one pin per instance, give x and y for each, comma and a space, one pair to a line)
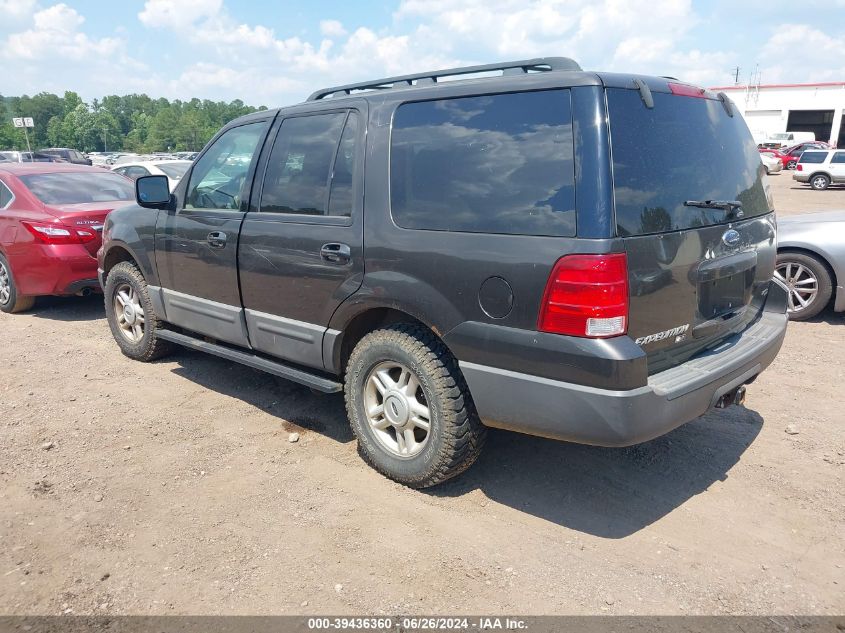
519, 67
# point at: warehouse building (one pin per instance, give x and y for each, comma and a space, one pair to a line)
818, 108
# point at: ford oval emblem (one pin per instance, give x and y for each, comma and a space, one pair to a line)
731, 237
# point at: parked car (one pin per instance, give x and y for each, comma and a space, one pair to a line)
69, 155
29, 157
811, 262
795, 151
783, 158
51, 216
173, 169
773, 164
468, 288
785, 139
820, 168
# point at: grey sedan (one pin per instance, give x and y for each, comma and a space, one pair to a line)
811, 262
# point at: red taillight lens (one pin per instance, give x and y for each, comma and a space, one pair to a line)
49, 233
799, 167
684, 90
586, 295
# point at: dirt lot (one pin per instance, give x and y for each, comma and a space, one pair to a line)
172, 488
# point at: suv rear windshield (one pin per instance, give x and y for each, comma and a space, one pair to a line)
681, 150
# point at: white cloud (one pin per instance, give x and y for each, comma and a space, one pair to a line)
55, 34
16, 10
332, 28
813, 55
177, 14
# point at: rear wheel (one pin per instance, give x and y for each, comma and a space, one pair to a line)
410, 408
809, 283
10, 301
819, 182
130, 314
790, 164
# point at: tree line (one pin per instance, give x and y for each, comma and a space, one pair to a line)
133, 123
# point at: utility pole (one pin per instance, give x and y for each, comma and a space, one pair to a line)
736, 75
105, 139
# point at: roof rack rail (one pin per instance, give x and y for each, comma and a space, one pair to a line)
522, 66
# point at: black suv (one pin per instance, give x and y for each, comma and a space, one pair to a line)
68, 155
582, 256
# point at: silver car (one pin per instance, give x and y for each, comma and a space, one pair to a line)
811, 262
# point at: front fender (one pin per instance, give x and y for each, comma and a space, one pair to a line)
131, 229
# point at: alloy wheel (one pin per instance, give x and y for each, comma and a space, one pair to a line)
802, 283
397, 409
129, 313
5, 285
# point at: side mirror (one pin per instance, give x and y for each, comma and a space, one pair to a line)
152, 192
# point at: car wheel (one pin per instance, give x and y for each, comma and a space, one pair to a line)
410, 408
819, 182
130, 314
10, 302
791, 164
808, 281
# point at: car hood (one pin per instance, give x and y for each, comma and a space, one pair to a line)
812, 218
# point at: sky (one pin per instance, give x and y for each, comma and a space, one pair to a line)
276, 53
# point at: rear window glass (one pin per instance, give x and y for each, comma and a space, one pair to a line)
683, 149
492, 164
79, 187
174, 170
813, 157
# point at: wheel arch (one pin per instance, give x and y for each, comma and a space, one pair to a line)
368, 318
118, 252
816, 254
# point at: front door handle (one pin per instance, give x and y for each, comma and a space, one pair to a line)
216, 239
336, 253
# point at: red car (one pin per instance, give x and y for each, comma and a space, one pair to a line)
794, 152
51, 218
783, 158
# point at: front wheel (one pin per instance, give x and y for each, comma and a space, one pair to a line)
819, 182
10, 301
130, 314
410, 408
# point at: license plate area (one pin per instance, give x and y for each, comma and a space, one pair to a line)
725, 295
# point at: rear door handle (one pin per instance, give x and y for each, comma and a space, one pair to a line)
336, 253
216, 239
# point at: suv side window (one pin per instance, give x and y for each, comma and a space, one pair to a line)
311, 167
218, 177
491, 164
838, 157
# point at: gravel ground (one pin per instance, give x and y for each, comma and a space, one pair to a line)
172, 487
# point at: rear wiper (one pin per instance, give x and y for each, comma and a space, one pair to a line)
733, 207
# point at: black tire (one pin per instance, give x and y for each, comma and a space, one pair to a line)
11, 303
824, 283
790, 164
149, 346
456, 435
819, 182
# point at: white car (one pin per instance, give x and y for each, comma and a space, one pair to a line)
820, 168
773, 165
173, 169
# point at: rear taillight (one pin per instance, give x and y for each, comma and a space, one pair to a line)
48, 233
586, 295
799, 167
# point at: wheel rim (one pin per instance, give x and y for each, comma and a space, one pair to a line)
397, 409
5, 285
802, 283
819, 183
129, 313
791, 164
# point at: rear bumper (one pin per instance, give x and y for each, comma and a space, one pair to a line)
565, 411
55, 270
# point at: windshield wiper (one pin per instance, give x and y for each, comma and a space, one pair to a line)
733, 207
